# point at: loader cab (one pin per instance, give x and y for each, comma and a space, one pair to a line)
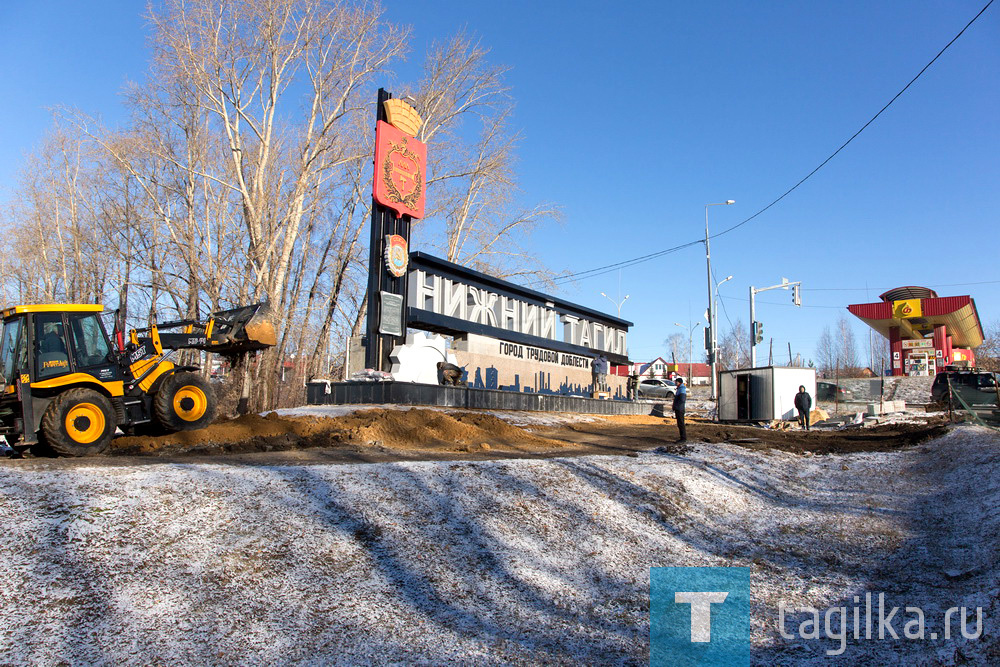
13, 353
65, 339
73, 342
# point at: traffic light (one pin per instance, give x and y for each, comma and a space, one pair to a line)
758, 332
796, 297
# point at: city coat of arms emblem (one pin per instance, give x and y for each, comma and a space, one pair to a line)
400, 171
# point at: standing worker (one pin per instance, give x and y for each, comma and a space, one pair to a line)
600, 374
680, 403
633, 386
803, 403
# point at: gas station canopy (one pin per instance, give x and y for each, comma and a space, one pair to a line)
917, 310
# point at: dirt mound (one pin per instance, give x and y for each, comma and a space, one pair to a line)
636, 419
388, 429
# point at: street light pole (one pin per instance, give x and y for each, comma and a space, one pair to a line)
712, 335
618, 304
714, 323
690, 329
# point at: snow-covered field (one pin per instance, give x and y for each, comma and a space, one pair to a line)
485, 562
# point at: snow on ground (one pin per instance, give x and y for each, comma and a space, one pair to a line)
491, 562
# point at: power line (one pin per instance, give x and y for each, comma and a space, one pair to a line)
645, 258
864, 289
611, 267
776, 303
863, 127
720, 301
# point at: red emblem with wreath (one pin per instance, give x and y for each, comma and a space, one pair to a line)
400, 171
396, 255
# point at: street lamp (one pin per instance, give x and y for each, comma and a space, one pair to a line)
690, 346
712, 337
618, 304
714, 327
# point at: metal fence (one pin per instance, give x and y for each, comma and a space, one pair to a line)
405, 393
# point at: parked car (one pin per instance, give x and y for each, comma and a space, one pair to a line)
655, 388
977, 388
831, 391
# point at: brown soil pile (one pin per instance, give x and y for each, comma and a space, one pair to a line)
636, 419
380, 429
378, 435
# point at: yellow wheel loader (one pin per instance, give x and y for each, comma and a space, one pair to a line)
67, 385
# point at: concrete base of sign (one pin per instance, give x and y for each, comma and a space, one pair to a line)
491, 363
405, 393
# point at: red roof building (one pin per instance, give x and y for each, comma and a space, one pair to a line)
661, 368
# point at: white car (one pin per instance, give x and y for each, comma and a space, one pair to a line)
655, 388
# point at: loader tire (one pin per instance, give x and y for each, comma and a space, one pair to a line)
78, 422
184, 402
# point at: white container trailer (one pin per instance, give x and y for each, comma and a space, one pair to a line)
763, 394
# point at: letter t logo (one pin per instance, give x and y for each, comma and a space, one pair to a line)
701, 612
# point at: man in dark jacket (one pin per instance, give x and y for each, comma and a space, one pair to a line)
680, 403
600, 367
803, 403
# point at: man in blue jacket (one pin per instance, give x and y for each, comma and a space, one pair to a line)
680, 402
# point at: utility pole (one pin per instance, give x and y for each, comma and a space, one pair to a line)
756, 328
712, 318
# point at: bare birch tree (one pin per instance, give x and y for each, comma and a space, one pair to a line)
848, 359
734, 347
988, 354
244, 173
677, 347
473, 188
826, 352
281, 79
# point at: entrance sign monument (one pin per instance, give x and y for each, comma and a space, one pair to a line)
503, 335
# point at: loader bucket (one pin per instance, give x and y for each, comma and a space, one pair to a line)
243, 329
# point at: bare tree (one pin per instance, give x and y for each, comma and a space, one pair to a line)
243, 173
248, 64
471, 149
242, 59
734, 347
677, 347
827, 353
54, 229
988, 354
837, 353
848, 357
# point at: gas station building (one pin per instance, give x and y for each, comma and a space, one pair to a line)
926, 332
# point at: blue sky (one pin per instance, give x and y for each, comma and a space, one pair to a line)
634, 116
